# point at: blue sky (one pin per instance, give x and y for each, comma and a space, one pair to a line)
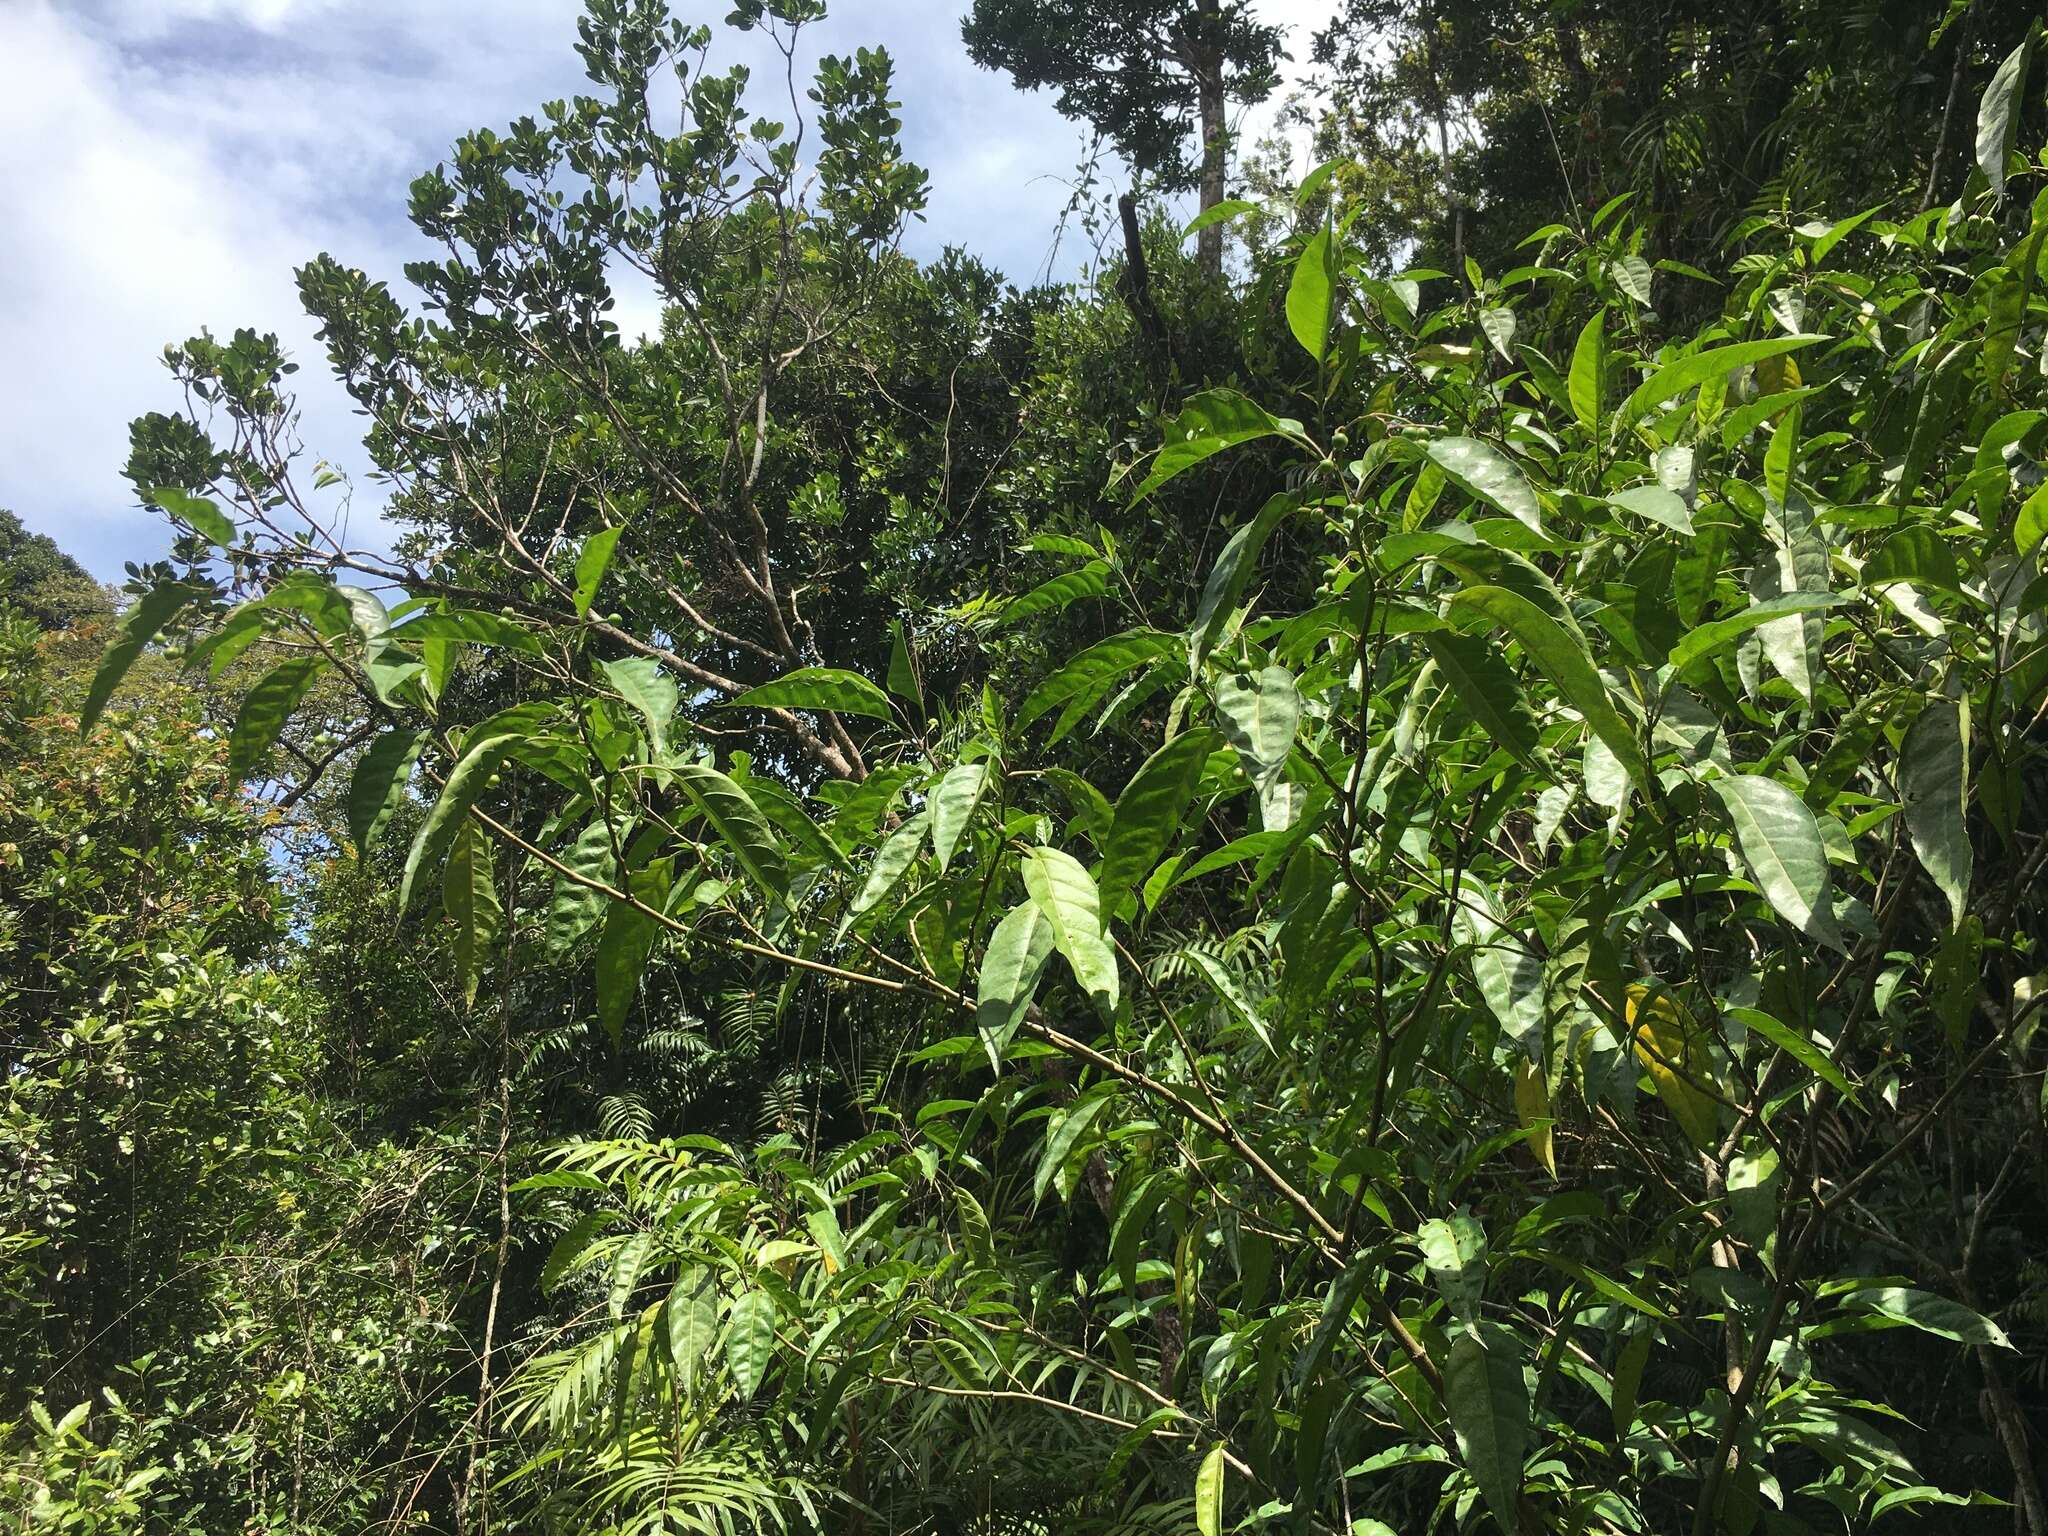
167, 163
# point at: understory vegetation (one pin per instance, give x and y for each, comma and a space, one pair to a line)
1380, 869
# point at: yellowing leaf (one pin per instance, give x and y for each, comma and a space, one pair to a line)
1532, 1108
1667, 1043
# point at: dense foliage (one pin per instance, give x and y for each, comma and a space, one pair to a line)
1359, 898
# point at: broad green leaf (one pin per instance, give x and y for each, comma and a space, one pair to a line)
265, 710
1017, 954
1488, 689
1632, 275
1589, 373
690, 1319
1209, 1494
1148, 814
379, 782
2031, 527
1259, 715
1309, 295
640, 681
1489, 1408
750, 1340
573, 908
1454, 1249
1628, 1380
1794, 1044
1565, 659
953, 803
483, 750
1211, 422
469, 896
1223, 212
467, 628
1482, 470
1707, 638
1067, 1135
1062, 592
623, 948
1066, 894
1688, 373
1657, 504
829, 689
1781, 843
739, 824
205, 515
1930, 1314
1227, 578
1998, 112
591, 564
1934, 779
892, 861
1498, 325
1792, 644
139, 625
1094, 671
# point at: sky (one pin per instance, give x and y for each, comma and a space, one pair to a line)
166, 164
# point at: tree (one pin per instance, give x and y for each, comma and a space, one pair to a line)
1133, 70
42, 581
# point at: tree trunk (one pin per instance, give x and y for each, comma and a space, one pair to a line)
1209, 94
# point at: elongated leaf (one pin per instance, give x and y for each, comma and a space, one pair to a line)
1230, 208
469, 895
1092, 673
1066, 894
1211, 422
463, 627
1498, 325
1998, 112
1934, 777
1209, 1494
1669, 1045
1017, 954
574, 909
483, 750
379, 782
739, 824
1067, 1135
750, 1340
892, 861
1260, 715
1930, 1314
1589, 373
1227, 578
1309, 295
1482, 470
264, 711
821, 688
1917, 554
1689, 373
1705, 639
1569, 665
139, 625
1628, 1380
623, 949
953, 803
1532, 1112
1454, 1250
1062, 592
1780, 841
1794, 1044
591, 564
1488, 689
690, 1319
1148, 814
203, 514
1489, 1408
1655, 503
640, 681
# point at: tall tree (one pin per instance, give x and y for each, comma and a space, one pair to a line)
1132, 70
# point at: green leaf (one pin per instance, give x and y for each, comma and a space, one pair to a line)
1148, 814
690, 1316
468, 628
1091, 674
1998, 112
1688, 373
1227, 578
1230, 208
1781, 843
1211, 422
1794, 1044
1707, 638
750, 1340
2031, 527
483, 749
592, 562
829, 689
205, 515
1934, 779
1259, 716
1309, 295
1482, 470
1930, 1314
739, 824
1488, 689
1633, 276
1060, 593
1069, 1132
379, 782
1017, 955
574, 908
1567, 662
1498, 325
623, 948
1628, 1380
1589, 373
640, 681
1489, 1408
953, 806
469, 896
1454, 1250
1067, 896
1209, 1494
265, 709
892, 861
139, 625
1655, 503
